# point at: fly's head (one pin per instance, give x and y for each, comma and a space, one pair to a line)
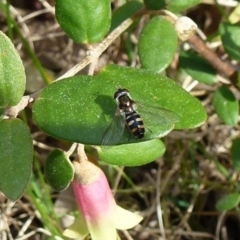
120, 93
123, 99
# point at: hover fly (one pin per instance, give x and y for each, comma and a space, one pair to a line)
134, 116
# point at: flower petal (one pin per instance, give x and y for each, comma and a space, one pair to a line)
77, 230
125, 219
105, 232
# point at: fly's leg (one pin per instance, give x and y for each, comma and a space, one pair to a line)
149, 129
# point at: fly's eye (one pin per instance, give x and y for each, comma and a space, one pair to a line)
125, 90
120, 92
116, 94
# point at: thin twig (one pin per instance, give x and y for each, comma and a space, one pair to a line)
158, 204
81, 153
13, 111
48, 6
98, 50
222, 67
127, 235
219, 224
117, 180
71, 150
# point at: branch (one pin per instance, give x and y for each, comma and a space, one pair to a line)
13, 111
99, 49
222, 67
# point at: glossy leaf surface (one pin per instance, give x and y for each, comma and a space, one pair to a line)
84, 21
125, 11
228, 202
16, 157
235, 151
230, 37
226, 105
182, 5
81, 108
58, 170
157, 44
198, 68
13, 79
134, 154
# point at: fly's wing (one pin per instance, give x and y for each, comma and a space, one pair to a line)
115, 130
159, 121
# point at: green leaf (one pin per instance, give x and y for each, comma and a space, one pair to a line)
144, 152
84, 21
13, 79
230, 37
1, 112
58, 170
235, 151
226, 105
228, 202
156, 4
157, 44
182, 5
80, 108
125, 11
197, 67
16, 157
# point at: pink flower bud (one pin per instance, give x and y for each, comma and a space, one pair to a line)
100, 216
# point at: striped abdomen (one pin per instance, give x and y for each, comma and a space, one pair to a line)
135, 124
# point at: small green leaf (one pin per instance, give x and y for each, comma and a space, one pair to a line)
144, 152
125, 11
13, 79
228, 202
230, 37
80, 108
84, 21
156, 4
58, 170
235, 150
157, 44
226, 105
197, 67
182, 5
16, 157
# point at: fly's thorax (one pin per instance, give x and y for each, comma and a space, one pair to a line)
123, 98
125, 103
